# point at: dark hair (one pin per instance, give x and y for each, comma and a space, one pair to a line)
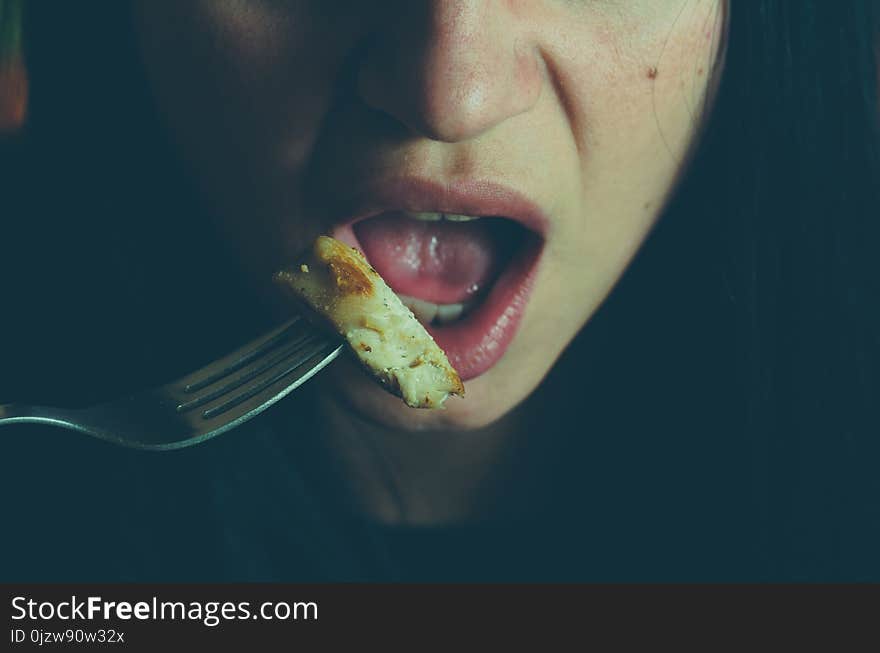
732, 373
795, 144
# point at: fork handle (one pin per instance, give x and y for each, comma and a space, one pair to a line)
27, 414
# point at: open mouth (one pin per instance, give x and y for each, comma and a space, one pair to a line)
467, 278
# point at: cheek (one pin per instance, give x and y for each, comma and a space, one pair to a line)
647, 81
636, 97
684, 69
245, 86
236, 70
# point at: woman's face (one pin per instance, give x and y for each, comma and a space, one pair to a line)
561, 125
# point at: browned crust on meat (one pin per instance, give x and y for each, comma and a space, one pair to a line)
347, 266
454, 380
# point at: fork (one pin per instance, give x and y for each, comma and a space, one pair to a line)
203, 404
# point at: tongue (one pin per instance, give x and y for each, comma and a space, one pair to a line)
441, 262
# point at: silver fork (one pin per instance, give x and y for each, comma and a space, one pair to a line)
214, 399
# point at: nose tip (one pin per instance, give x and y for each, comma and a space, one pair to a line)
457, 73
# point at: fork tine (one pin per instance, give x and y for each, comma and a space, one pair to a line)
229, 410
301, 348
251, 378
234, 361
281, 374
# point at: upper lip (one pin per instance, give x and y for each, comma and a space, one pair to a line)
416, 194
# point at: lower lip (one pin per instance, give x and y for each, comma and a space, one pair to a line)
475, 343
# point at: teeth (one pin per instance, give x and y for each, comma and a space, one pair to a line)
434, 217
428, 312
448, 313
426, 217
424, 311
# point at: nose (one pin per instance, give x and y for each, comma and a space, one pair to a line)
450, 70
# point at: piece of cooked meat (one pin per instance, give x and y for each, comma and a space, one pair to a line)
336, 282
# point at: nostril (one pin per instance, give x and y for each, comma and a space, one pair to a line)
453, 106
454, 78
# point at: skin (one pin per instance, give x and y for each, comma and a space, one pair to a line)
589, 107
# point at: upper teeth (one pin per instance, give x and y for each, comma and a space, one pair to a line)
433, 217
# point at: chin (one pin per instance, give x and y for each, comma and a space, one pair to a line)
486, 400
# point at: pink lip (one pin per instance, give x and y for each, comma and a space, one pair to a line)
478, 341
468, 197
